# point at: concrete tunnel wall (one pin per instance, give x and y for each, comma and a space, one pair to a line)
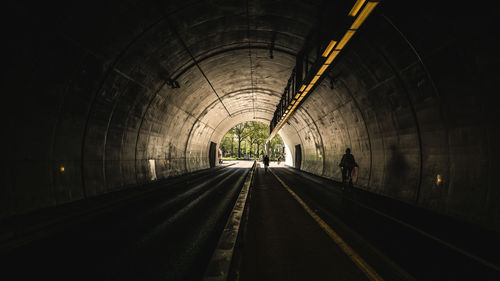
410, 97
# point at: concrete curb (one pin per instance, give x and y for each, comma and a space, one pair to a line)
220, 263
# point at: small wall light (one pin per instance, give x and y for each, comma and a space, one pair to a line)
439, 179
61, 169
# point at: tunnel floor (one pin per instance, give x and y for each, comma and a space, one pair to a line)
168, 230
281, 241
284, 243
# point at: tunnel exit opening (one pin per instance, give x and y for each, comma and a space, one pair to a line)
247, 141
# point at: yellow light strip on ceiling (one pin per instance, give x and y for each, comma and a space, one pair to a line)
315, 79
356, 7
322, 69
364, 14
329, 48
345, 39
331, 57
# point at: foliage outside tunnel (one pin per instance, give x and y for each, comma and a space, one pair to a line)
247, 141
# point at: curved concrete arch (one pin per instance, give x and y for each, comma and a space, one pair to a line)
228, 48
245, 115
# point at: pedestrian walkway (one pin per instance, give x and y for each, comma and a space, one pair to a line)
303, 227
282, 242
237, 163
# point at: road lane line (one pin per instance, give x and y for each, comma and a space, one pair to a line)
358, 261
418, 230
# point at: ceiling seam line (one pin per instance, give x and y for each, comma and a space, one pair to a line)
181, 70
250, 57
174, 30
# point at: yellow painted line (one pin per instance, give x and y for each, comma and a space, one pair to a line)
423, 233
358, 261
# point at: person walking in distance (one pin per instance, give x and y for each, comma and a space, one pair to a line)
347, 164
266, 162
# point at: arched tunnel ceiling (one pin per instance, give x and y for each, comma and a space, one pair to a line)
246, 51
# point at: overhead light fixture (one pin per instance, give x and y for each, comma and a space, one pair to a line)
360, 11
331, 57
345, 39
364, 14
329, 48
315, 79
355, 9
322, 69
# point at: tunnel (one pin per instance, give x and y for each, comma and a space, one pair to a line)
108, 98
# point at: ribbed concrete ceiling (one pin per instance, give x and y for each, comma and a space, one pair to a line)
245, 49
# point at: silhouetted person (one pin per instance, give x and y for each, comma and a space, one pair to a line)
266, 162
347, 164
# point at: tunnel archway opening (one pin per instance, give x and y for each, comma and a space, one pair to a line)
247, 141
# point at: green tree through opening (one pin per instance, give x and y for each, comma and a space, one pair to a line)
250, 138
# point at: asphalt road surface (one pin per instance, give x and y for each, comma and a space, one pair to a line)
168, 233
397, 241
